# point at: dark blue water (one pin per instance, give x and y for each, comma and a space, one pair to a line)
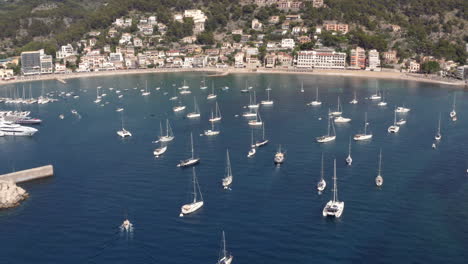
271, 215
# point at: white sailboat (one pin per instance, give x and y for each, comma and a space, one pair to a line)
330, 136
253, 103
302, 87
257, 121
196, 110
316, 102
169, 134
179, 108
212, 95
354, 101
268, 101
192, 160
375, 96
196, 203
227, 180
251, 113
217, 115
224, 258
252, 150
123, 133
212, 131
349, 160
438, 135
382, 101
379, 178
159, 151
279, 156
146, 92
203, 85
402, 109
453, 113
338, 111
184, 86
334, 207
264, 141
98, 97
173, 98
365, 136
393, 128
322, 184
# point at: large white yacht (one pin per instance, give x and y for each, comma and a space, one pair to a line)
10, 129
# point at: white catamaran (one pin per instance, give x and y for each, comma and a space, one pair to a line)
123, 133
227, 180
196, 203
334, 207
192, 160
394, 128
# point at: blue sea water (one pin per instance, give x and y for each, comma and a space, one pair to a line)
271, 215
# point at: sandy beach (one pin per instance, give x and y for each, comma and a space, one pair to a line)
214, 72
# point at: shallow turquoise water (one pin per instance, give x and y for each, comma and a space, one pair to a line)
271, 214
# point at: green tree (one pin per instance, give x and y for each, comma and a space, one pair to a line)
430, 67
206, 38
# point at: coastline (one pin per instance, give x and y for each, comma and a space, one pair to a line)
217, 72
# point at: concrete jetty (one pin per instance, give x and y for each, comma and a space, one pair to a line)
28, 175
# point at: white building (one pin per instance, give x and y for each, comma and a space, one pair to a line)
287, 43
256, 24
65, 51
196, 14
126, 38
374, 60
239, 60
323, 58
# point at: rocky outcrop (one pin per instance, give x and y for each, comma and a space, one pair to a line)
10, 194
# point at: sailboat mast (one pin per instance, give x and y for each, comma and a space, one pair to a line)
160, 129
316, 95
335, 189
229, 171
224, 245
191, 142
365, 123
349, 148
322, 171
380, 161
167, 127
263, 131
194, 187
328, 129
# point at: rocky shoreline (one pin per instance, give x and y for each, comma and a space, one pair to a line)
11, 195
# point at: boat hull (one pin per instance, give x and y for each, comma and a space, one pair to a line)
190, 208
188, 163
333, 209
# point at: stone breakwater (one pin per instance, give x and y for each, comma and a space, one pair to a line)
10, 194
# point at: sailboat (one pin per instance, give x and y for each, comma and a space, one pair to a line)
224, 258
394, 128
302, 87
349, 160
253, 103
252, 150
98, 97
453, 113
375, 96
192, 160
257, 121
334, 207
329, 137
203, 85
159, 151
184, 86
382, 101
322, 184
227, 180
169, 134
146, 92
438, 136
338, 111
212, 131
217, 116
196, 110
195, 204
251, 113
316, 102
179, 108
365, 136
123, 133
173, 98
245, 90
268, 101
264, 141
354, 101
402, 109
379, 178
212, 95
279, 156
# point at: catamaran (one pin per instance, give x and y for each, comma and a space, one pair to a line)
329, 137
192, 160
253, 103
252, 150
212, 95
217, 115
354, 101
195, 204
394, 128
212, 131
146, 92
169, 134
279, 156
338, 111
196, 110
316, 102
224, 258
379, 178
349, 160
365, 136
453, 113
438, 136
322, 184
257, 121
334, 207
268, 101
264, 141
227, 180
123, 133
